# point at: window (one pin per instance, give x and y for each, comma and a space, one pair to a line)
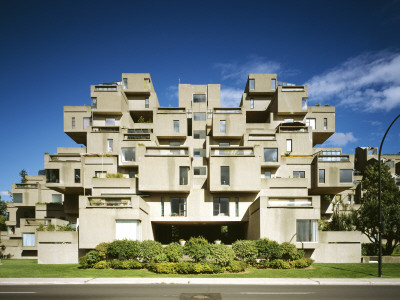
132, 174
271, 154
346, 176
348, 199
251, 102
199, 98
125, 83
251, 84
222, 126
288, 120
128, 154
183, 175
273, 84
162, 206
178, 207
146, 103
199, 171
17, 197
267, 174
175, 144
224, 175
304, 103
77, 175
390, 163
73, 122
94, 102
224, 144
176, 126
147, 83
321, 176
288, 145
110, 145
110, 121
52, 175
299, 174
100, 174
56, 198
87, 122
306, 231
237, 207
199, 152
325, 124
310, 122
199, 134
28, 240
221, 207
127, 229
198, 116
209, 114
373, 151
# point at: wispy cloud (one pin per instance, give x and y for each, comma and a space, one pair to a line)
238, 72
341, 139
4, 193
369, 82
230, 96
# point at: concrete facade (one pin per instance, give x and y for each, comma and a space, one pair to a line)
165, 173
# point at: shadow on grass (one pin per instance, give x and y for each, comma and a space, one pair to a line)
350, 270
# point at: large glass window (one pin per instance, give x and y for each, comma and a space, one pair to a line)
273, 84
110, 121
178, 207
176, 126
271, 154
325, 124
127, 229
321, 175
110, 145
28, 240
306, 231
146, 103
222, 126
199, 98
77, 175
94, 102
199, 134
221, 207
299, 174
87, 122
251, 102
56, 198
125, 83
311, 122
224, 175
73, 123
128, 154
52, 175
183, 175
17, 197
251, 84
304, 103
199, 116
346, 176
288, 145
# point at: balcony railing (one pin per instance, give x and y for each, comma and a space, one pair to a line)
105, 128
227, 151
65, 158
137, 136
26, 185
140, 130
281, 83
109, 202
167, 151
284, 128
171, 110
227, 110
334, 158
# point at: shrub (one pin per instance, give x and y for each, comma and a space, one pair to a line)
102, 249
301, 263
149, 250
161, 258
197, 248
268, 249
216, 268
92, 257
202, 268
83, 262
221, 254
290, 252
174, 252
280, 264
131, 264
166, 268
116, 264
264, 264
66, 228
184, 267
101, 265
124, 249
51, 227
236, 266
245, 250
369, 249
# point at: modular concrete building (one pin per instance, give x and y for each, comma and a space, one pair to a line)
169, 173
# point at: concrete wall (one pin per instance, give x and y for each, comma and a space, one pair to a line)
57, 247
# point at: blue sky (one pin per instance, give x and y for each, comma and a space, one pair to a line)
348, 52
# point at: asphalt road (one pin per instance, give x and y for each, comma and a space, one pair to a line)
185, 292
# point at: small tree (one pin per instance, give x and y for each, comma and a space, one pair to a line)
366, 218
3, 215
23, 174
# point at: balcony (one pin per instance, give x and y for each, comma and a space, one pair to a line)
167, 151
108, 202
107, 87
105, 128
221, 110
292, 128
285, 183
26, 186
232, 151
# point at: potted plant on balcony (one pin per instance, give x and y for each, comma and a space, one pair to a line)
182, 242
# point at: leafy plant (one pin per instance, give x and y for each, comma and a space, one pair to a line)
174, 252
102, 250
101, 265
92, 257
124, 249
268, 249
290, 252
245, 250
221, 254
149, 250
197, 248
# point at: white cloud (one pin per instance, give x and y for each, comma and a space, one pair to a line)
341, 139
4, 193
369, 82
238, 72
230, 97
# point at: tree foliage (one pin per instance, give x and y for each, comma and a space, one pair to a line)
23, 174
366, 218
3, 215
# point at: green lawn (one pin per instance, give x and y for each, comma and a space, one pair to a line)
28, 268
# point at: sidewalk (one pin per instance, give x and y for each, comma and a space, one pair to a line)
204, 281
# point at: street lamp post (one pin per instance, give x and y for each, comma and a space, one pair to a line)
381, 227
